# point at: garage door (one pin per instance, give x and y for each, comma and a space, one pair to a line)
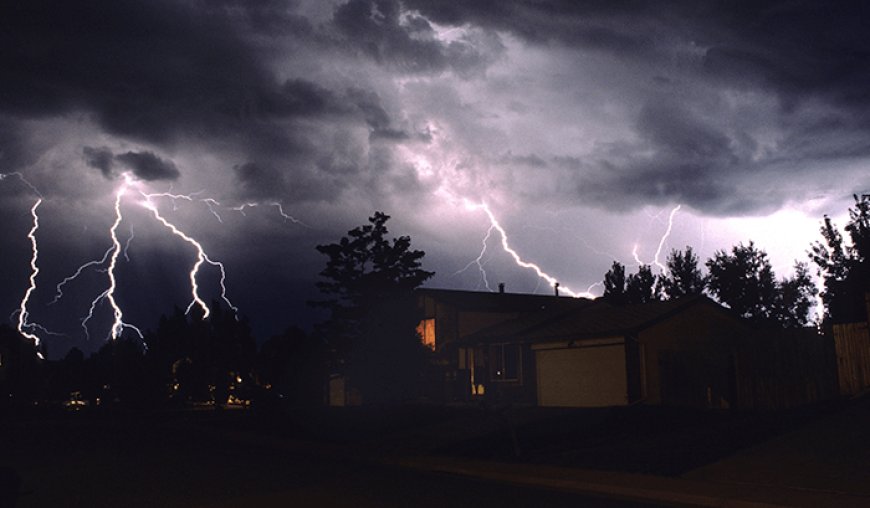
582, 377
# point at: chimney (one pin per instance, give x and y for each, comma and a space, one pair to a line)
501, 288
556, 288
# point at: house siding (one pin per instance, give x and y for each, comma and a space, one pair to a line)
689, 358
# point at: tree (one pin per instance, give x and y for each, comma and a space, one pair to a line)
293, 365
795, 298
641, 287
369, 281
683, 277
615, 284
744, 280
845, 268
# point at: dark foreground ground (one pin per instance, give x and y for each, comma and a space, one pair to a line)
347, 457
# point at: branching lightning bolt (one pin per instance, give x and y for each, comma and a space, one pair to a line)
661, 245
59, 288
479, 259
201, 257
494, 224
286, 216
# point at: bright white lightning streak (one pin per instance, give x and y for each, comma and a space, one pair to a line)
201, 257
665, 238
516, 257
23, 314
661, 245
118, 325
23, 325
479, 260
97, 262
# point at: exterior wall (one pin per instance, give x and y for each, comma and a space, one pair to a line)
520, 391
451, 324
689, 359
591, 374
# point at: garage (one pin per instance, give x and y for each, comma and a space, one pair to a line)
589, 375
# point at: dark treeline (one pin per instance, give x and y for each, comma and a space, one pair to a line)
186, 360
743, 278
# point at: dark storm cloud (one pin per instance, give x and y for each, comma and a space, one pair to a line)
405, 41
99, 158
149, 167
152, 71
812, 58
377, 118
614, 26
259, 180
683, 157
168, 72
145, 69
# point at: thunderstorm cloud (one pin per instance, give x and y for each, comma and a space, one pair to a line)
581, 124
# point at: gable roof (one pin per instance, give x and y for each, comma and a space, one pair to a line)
503, 302
597, 320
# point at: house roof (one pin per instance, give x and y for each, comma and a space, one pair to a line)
597, 320
503, 302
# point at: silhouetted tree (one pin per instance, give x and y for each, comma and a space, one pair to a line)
615, 284
642, 287
116, 373
369, 281
21, 371
293, 364
795, 297
195, 359
744, 281
683, 277
845, 268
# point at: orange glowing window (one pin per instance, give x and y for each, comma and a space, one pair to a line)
426, 331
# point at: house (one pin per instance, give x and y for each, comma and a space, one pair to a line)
679, 352
448, 316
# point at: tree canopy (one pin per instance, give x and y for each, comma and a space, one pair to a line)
845, 266
744, 280
683, 276
369, 282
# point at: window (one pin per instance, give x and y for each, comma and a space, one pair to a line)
505, 362
426, 331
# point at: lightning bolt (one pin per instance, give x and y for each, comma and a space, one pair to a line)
505, 245
118, 323
661, 245
479, 260
201, 257
59, 288
286, 216
127, 245
23, 325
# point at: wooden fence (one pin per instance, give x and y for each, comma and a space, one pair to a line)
852, 346
778, 369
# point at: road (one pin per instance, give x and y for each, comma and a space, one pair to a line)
135, 462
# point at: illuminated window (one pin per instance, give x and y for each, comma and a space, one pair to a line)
426, 331
505, 362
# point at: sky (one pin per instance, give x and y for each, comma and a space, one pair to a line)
590, 131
